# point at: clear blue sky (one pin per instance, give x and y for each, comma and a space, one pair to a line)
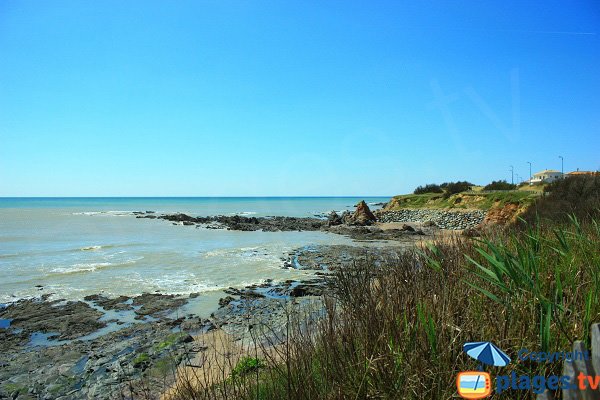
201, 98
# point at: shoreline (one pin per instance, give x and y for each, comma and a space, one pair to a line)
102, 346
138, 333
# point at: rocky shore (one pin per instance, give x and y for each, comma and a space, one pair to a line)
242, 223
99, 348
443, 219
129, 347
359, 225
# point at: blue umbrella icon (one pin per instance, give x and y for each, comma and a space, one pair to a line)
486, 353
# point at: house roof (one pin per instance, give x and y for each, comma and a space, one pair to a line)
547, 171
582, 173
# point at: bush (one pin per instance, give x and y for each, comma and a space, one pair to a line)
246, 365
500, 185
455, 187
578, 196
430, 188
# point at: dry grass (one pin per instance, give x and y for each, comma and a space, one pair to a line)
396, 329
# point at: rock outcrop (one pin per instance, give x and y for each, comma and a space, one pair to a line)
362, 215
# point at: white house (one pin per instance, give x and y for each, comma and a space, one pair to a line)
545, 176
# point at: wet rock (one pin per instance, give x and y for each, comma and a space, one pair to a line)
302, 289
242, 223
225, 301
69, 320
119, 303
334, 219
157, 304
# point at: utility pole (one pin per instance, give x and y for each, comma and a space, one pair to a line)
562, 165
512, 175
529, 162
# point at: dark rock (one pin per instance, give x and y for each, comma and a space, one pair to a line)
156, 304
362, 215
223, 302
407, 228
302, 290
334, 219
241, 223
69, 320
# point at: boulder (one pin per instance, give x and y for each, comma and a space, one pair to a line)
363, 215
334, 219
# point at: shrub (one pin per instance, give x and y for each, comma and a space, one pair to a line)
430, 188
455, 187
500, 185
246, 365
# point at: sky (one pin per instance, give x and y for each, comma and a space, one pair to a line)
292, 98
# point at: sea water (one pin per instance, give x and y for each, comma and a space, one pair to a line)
73, 247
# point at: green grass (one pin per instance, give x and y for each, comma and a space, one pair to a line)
141, 359
467, 200
247, 365
169, 341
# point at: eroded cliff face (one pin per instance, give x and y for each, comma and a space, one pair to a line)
502, 214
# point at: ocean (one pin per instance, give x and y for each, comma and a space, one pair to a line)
73, 247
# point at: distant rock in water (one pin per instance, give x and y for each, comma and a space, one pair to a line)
334, 219
363, 215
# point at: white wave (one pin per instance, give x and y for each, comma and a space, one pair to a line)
237, 251
88, 248
91, 267
179, 283
77, 268
244, 213
114, 213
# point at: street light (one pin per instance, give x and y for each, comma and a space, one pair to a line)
528, 162
562, 165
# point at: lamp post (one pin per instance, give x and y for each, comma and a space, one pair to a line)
528, 162
562, 165
512, 175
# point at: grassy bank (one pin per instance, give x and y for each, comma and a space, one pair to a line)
475, 199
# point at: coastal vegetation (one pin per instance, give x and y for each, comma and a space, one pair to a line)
500, 185
475, 199
395, 329
429, 188
446, 188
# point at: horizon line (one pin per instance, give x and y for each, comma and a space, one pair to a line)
187, 197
